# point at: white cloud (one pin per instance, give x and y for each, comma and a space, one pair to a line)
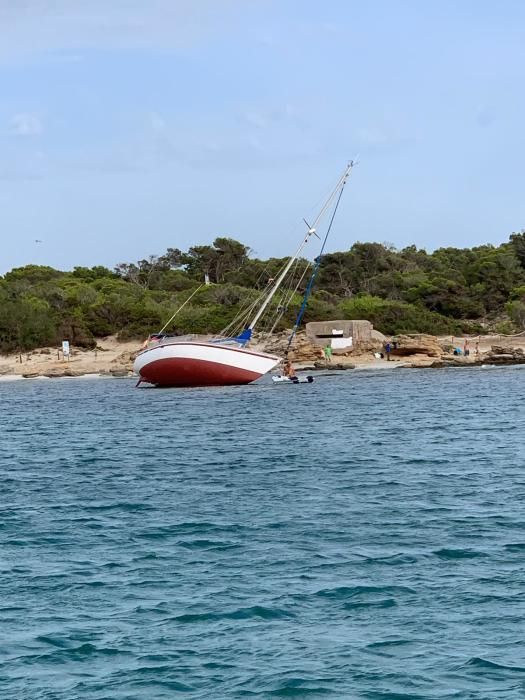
256, 119
31, 26
157, 122
274, 115
25, 124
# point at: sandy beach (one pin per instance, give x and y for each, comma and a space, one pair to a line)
110, 357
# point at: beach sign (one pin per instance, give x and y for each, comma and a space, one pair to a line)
65, 349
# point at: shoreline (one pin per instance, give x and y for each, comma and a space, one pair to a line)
377, 366
113, 359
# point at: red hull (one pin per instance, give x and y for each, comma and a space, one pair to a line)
190, 372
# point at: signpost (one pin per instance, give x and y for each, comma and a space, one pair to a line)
65, 349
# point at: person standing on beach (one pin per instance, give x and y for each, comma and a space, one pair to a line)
328, 352
466, 350
388, 350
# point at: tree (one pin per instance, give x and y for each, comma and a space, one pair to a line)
517, 241
223, 257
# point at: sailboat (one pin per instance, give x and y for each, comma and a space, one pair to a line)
174, 361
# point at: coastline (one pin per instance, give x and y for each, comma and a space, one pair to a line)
112, 358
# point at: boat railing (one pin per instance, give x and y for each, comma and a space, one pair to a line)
162, 339
169, 339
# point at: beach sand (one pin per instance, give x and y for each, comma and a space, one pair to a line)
111, 356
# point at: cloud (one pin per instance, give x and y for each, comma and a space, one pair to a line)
29, 27
276, 115
22, 164
157, 122
25, 124
255, 119
485, 116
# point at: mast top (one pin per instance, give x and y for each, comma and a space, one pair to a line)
311, 231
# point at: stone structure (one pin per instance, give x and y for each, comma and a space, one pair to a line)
342, 335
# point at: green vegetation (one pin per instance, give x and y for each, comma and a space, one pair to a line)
451, 290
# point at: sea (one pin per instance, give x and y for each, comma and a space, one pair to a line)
359, 537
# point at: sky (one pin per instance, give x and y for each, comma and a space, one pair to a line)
127, 127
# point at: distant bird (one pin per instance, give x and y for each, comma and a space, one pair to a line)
37, 240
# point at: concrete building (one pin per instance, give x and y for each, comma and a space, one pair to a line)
342, 335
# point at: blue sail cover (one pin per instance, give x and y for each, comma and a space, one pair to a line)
241, 339
245, 336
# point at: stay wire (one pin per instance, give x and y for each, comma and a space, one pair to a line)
314, 274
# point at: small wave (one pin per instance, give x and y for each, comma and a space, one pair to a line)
208, 544
387, 695
478, 662
458, 554
343, 592
215, 666
299, 688
256, 611
65, 652
163, 683
392, 560
159, 609
191, 527
125, 506
147, 557
386, 603
389, 643
58, 642
517, 547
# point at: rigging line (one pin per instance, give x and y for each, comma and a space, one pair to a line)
286, 295
241, 317
314, 272
239, 323
242, 321
182, 306
284, 306
241, 313
247, 303
294, 291
311, 231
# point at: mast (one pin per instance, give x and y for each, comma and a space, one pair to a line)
311, 231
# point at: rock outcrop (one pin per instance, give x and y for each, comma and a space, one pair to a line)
416, 344
301, 350
500, 355
54, 373
122, 366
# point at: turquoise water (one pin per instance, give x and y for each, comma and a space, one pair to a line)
360, 537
